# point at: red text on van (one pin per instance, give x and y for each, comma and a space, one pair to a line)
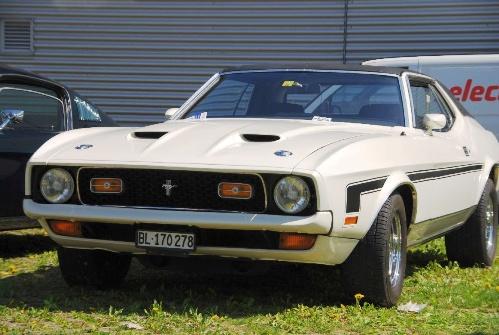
475, 92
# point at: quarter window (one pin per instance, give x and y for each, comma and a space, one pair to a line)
86, 111
427, 100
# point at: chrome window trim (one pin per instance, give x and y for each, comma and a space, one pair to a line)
312, 70
196, 96
434, 86
31, 91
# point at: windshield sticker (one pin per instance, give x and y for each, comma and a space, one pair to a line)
198, 116
321, 118
291, 83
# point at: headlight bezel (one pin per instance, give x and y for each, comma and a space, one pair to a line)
306, 195
69, 185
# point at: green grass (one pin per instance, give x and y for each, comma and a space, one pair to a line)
198, 299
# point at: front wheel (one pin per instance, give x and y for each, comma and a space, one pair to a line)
101, 269
475, 242
376, 267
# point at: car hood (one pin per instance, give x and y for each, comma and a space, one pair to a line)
202, 142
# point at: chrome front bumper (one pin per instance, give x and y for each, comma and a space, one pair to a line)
320, 223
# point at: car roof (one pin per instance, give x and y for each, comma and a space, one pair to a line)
6, 69
320, 66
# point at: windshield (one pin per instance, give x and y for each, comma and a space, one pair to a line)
307, 95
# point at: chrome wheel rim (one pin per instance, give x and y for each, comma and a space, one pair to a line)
489, 227
395, 250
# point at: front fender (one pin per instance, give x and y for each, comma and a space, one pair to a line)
370, 205
490, 168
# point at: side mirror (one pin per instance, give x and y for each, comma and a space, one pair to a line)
434, 122
170, 112
10, 115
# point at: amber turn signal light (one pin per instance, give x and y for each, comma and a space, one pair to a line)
235, 190
106, 185
294, 241
66, 228
351, 220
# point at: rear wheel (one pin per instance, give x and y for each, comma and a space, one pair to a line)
475, 242
98, 268
376, 267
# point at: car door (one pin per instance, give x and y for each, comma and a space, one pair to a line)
40, 113
447, 188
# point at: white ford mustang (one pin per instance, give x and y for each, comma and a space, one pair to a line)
345, 165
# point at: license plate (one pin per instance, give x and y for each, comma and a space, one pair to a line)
165, 240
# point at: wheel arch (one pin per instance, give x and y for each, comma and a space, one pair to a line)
397, 182
490, 171
401, 184
409, 195
494, 175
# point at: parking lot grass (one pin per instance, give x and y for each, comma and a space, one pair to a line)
199, 298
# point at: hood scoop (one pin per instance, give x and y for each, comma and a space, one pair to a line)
260, 138
149, 134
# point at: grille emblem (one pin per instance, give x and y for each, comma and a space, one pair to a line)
168, 187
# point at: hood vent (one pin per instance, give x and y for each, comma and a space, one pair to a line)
149, 134
260, 138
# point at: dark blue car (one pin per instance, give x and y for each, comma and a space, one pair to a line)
32, 110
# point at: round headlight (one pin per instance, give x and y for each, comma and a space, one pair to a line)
291, 194
57, 186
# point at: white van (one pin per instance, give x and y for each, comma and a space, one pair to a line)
473, 79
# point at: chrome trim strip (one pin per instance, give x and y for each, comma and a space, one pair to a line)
424, 231
311, 70
193, 99
407, 100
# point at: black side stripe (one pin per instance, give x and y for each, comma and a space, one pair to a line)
443, 173
354, 191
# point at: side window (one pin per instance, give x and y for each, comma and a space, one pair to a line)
86, 111
427, 100
42, 108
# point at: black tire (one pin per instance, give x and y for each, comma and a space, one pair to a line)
101, 269
469, 245
367, 269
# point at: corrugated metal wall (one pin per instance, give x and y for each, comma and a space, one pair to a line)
136, 58
392, 28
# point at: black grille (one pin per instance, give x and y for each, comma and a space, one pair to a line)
194, 190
